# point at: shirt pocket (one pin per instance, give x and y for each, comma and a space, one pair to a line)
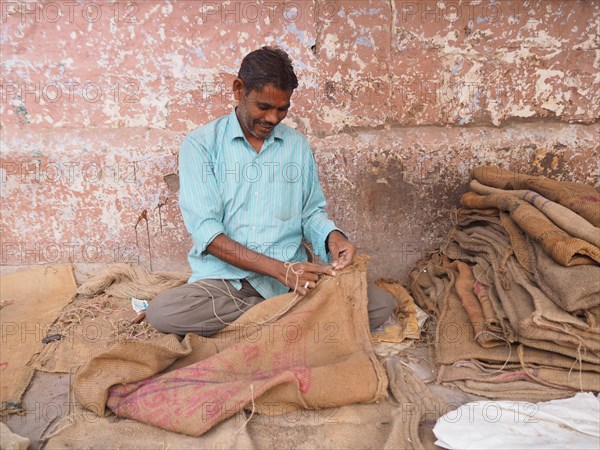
286, 200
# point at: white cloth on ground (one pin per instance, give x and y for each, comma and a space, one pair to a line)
558, 424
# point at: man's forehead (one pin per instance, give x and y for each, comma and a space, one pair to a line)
269, 94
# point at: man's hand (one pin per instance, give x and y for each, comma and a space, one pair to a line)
342, 250
303, 276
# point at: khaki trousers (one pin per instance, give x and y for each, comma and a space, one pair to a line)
207, 306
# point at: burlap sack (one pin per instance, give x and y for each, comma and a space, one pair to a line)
520, 244
569, 221
464, 286
455, 342
89, 328
530, 312
592, 316
124, 281
573, 288
542, 358
526, 307
405, 324
488, 250
428, 287
483, 295
555, 378
316, 355
544, 315
10, 440
563, 248
578, 197
403, 421
542, 324
416, 402
516, 390
455, 338
31, 300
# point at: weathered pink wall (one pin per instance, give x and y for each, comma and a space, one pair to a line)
398, 98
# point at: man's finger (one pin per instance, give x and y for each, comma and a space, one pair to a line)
330, 271
306, 287
341, 257
343, 262
321, 269
313, 276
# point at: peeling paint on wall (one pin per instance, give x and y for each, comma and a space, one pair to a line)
398, 98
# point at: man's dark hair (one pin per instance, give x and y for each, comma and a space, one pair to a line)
268, 65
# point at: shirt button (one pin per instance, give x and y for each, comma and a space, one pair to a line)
253, 228
256, 194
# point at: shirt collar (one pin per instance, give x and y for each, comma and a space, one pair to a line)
235, 130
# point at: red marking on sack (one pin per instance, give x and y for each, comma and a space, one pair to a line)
588, 198
304, 376
513, 376
251, 352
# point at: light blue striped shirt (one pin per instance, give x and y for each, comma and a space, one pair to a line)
265, 201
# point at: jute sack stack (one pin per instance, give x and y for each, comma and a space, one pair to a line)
288, 352
456, 343
517, 298
567, 220
531, 314
578, 197
565, 249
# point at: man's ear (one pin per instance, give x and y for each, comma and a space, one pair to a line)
238, 89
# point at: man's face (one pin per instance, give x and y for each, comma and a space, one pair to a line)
260, 110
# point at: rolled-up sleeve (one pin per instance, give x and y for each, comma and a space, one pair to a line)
316, 226
199, 199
